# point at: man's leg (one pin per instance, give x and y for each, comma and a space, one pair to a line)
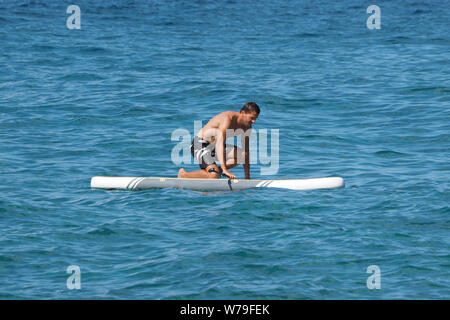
234, 157
200, 174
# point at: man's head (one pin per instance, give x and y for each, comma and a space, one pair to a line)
249, 113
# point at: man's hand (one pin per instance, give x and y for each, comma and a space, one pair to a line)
229, 174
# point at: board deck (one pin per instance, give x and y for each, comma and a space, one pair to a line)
141, 183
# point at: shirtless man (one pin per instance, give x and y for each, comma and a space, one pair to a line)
209, 146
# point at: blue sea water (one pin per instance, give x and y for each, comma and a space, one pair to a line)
372, 106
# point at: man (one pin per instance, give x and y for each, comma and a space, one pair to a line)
209, 146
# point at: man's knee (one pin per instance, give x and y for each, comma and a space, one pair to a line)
213, 174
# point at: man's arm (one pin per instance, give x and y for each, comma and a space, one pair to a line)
246, 147
220, 146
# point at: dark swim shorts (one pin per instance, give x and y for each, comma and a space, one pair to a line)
205, 152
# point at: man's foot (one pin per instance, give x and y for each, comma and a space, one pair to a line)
181, 173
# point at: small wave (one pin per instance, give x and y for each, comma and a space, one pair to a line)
165, 24
30, 4
6, 259
389, 154
41, 47
104, 231
93, 50
82, 76
420, 11
399, 40
306, 35
435, 90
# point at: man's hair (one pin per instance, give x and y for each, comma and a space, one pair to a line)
250, 107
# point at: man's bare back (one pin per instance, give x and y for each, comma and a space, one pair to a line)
212, 128
209, 146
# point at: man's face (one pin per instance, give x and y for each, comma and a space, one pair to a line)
249, 118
